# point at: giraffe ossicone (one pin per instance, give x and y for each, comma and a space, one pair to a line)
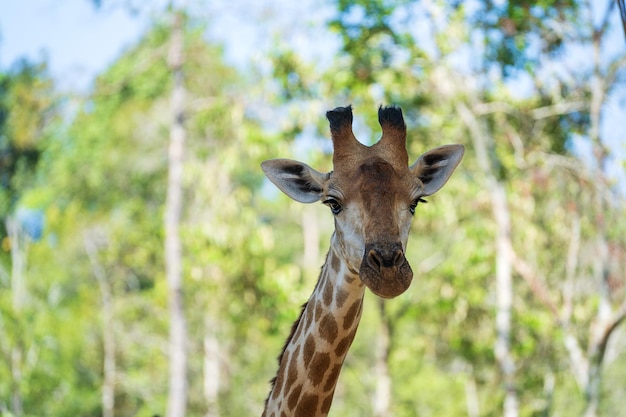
372, 193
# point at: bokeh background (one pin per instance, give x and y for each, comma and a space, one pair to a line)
137, 228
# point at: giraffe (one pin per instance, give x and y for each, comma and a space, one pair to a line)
372, 193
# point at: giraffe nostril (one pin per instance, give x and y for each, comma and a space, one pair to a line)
377, 260
374, 259
398, 259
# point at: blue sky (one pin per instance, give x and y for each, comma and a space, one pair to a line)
78, 40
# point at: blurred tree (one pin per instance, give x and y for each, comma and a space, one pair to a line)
106, 177
108, 173
177, 397
28, 114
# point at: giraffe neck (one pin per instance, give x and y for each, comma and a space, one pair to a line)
314, 352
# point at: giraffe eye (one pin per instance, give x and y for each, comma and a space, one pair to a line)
334, 205
414, 205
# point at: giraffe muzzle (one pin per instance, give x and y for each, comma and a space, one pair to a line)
385, 270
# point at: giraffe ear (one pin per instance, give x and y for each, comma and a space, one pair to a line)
436, 166
296, 179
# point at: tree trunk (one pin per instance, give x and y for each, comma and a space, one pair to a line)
19, 295
382, 396
602, 327
504, 298
108, 332
177, 397
482, 142
211, 369
471, 395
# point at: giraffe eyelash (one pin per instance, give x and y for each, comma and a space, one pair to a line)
414, 205
334, 205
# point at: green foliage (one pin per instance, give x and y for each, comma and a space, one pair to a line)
27, 116
518, 33
367, 36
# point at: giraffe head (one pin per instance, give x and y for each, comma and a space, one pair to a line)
372, 193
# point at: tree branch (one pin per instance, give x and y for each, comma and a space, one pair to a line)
570, 269
600, 30
580, 364
108, 332
557, 109
612, 71
618, 317
535, 282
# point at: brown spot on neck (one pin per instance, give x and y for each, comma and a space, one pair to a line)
352, 314
319, 366
309, 349
293, 398
328, 293
335, 262
342, 347
332, 378
292, 370
307, 406
341, 297
328, 328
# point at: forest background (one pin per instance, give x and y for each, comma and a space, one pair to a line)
140, 203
